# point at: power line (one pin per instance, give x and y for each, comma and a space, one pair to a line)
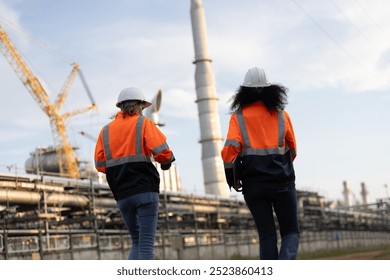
372, 20
327, 34
36, 41
359, 31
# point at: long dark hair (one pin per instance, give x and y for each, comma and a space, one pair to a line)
274, 97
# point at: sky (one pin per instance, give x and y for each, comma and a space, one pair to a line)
333, 56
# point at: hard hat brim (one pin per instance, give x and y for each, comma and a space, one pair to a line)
146, 104
255, 85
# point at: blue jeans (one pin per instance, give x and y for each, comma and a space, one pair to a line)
283, 200
140, 213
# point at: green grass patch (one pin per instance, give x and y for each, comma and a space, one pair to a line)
385, 255
321, 254
324, 254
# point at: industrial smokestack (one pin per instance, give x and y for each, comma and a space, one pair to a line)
347, 194
207, 100
364, 193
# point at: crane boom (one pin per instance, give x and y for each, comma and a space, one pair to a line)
61, 97
66, 157
22, 71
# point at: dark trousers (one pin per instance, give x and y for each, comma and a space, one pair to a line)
283, 200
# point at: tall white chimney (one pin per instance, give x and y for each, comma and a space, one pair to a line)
207, 100
347, 194
364, 193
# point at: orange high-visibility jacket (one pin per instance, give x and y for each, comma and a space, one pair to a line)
123, 151
264, 141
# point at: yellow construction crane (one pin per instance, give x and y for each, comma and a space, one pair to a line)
66, 157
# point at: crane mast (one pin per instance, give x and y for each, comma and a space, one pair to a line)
66, 157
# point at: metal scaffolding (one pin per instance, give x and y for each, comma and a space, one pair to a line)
41, 216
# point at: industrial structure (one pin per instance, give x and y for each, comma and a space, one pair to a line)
64, 152
207, 100
46, 217
72, 216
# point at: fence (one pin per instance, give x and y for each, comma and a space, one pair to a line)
180, 245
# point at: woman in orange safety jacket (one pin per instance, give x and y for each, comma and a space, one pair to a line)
258, 155
123, 152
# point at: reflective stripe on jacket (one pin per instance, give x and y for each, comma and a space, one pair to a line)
266, 143
123, 151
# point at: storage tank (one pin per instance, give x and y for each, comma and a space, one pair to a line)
42, 161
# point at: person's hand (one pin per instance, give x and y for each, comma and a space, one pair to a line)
166, 166
237, 186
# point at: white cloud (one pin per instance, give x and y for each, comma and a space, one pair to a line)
310, 52
179, 103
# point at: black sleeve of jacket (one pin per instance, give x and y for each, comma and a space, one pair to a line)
229, 177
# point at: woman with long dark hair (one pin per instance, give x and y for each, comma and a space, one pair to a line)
258, 158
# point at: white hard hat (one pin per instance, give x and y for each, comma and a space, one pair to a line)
255, 77
132, 93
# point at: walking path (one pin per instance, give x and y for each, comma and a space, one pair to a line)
370, 255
